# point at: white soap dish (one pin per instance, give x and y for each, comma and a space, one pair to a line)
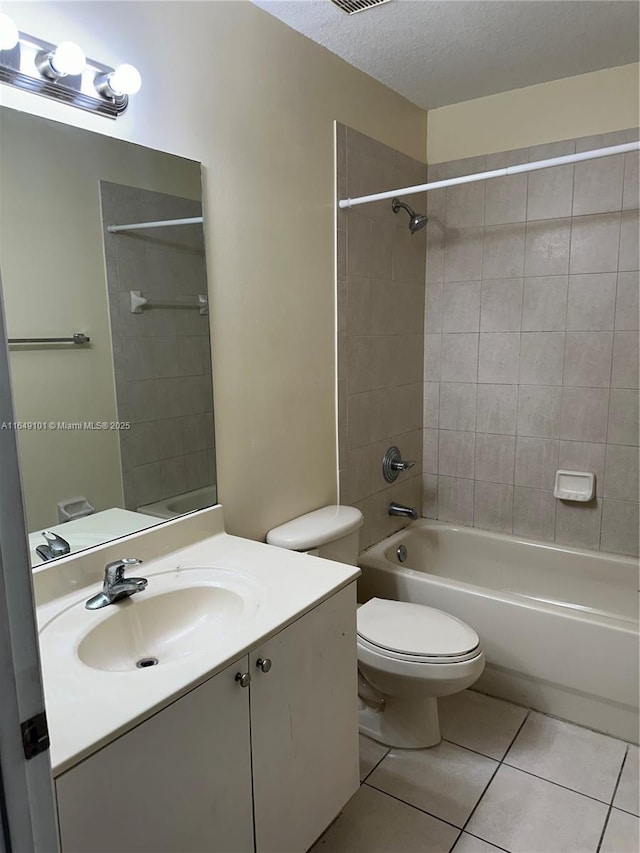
575, 485
74, 508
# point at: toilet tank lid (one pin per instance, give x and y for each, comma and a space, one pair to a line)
327, 524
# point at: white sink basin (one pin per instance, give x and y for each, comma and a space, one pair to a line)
180, 613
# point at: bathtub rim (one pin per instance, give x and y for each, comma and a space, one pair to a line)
496, 535
375, 557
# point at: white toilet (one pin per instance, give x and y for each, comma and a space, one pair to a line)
408, 654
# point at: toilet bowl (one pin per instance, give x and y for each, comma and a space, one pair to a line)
408, 654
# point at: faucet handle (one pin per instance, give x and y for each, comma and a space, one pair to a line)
402, 465
56, 544
114, 572
393, 463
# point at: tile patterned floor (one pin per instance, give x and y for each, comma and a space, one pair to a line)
502, 779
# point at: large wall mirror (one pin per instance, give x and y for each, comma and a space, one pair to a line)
115, 432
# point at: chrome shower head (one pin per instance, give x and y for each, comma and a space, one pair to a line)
417, 221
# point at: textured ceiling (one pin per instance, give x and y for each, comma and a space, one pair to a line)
437, 53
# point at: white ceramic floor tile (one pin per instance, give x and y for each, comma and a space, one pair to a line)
622, 834
524, 814
628, 792
446, 780
370, 754
480, 722
470, 844
372, 822
578, 758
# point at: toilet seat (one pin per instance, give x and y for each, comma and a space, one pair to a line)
419, 659
401, 631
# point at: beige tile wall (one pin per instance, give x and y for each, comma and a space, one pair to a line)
381, 274
531, 346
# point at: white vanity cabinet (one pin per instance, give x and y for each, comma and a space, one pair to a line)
304, 726
228, 769
180, 781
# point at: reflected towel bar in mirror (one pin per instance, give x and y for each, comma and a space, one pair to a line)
138, 302
77, 338
163, 223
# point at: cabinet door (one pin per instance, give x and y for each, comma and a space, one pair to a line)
304, 726
180, 781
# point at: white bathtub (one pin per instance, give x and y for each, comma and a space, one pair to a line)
559, 625
180, 504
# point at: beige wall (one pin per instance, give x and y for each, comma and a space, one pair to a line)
599, 102
227, 84
53, 277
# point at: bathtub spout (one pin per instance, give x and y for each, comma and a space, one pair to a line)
402, 510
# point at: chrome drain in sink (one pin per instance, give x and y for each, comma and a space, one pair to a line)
143, 663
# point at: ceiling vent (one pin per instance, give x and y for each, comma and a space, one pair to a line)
353, 6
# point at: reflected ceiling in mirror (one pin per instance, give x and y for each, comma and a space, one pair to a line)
115, 434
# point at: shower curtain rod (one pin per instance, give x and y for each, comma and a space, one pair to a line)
494, 173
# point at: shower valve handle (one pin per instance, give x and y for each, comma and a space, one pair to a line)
393, 464
401, 465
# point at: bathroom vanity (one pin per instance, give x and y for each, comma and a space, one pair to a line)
243, 737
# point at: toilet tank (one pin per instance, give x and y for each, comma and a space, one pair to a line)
332, 532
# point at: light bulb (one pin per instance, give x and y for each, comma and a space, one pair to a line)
68, 59
125, 80
8, 33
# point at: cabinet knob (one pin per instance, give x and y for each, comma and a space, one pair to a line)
264, 664
244, 678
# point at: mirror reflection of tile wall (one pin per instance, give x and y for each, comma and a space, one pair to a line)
162, 356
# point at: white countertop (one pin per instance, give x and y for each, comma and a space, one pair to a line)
94, 529
87, 708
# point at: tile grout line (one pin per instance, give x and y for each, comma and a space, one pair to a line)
411, 805
613, 339
500, 762
613, 796
493, 775
611, 371
382, 758
515, 442
564, 359
475, 434
444, 251
469, 749
557, 784
497, 846
625, 811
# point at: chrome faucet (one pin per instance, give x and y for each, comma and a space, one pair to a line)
402, 510
116, 586
56, 546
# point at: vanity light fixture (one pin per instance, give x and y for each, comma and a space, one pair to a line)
67, 60
64, 73
124, 81
8, 33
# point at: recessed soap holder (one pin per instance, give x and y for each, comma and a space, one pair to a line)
575, 485
74, 508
